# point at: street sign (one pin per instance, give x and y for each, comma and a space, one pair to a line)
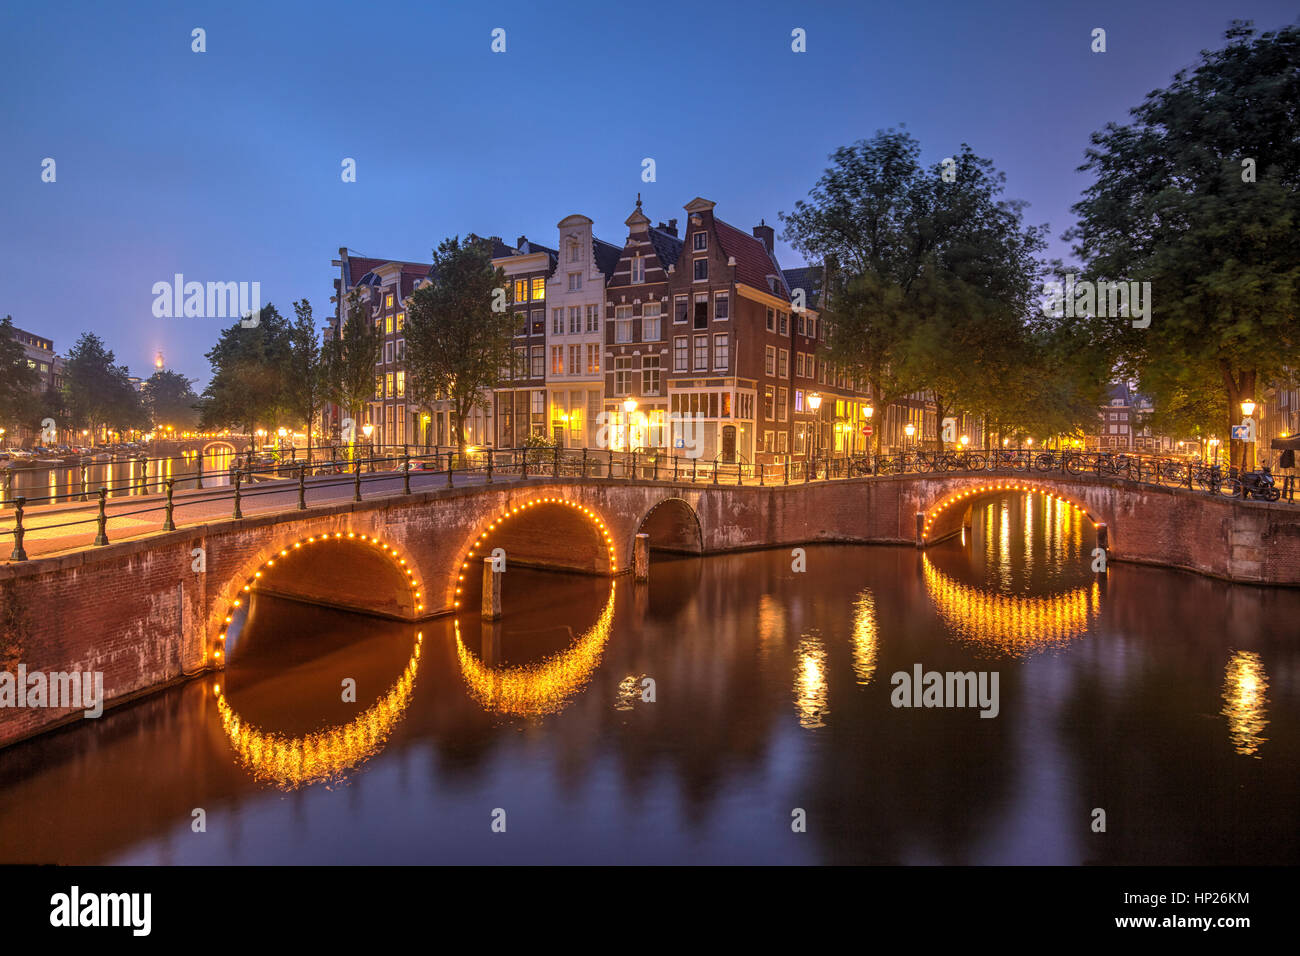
866, 429
1244, 432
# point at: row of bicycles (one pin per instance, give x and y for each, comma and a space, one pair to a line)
1195, 475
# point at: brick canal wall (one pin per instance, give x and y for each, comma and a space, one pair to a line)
146, 613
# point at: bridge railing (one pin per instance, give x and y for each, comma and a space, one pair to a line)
335, 471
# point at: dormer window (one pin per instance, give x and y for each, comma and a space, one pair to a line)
700, 241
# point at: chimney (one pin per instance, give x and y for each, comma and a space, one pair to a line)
669, 227
523, 241
764, 232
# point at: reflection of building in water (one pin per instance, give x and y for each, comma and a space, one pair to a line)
1245, 696
1011, 624
546, 687
810, 692
291, 762
865, 637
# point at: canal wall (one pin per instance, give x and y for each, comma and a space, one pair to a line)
149, 611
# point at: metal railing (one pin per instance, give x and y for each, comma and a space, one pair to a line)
259, 480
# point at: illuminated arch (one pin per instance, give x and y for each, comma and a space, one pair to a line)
215, 654
1010, 624
457, 585
219, 444
676, 503
289, 762
532, 690
968, 496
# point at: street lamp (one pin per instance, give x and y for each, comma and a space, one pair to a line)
815, 402
909, 430
629, 406
1247, 410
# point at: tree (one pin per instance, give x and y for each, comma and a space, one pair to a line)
305, 384
249, 370
457, 342
97, 392
1200, 196
349, 361
169, 399
929, 272
18, 380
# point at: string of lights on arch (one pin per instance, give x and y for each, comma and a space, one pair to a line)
289, 550
518, 509
968, 494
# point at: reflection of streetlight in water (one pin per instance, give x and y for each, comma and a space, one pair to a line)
1245, 695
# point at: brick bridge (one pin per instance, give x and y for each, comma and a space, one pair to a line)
147, 611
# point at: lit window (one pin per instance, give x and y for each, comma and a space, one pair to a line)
401, 384
388, 301
539, 290
521, 290
388, 326
557, 359
593, 358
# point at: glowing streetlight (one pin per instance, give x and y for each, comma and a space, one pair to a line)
965, 440
1248, 408
869, 411
367, 428
815, 402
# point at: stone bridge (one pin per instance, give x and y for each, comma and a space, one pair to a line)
155, 609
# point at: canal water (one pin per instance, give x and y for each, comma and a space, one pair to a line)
123, 476
1161, 704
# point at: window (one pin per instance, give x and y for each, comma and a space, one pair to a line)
798, 322
721, 306
768, 441
557, 359
769, 402
680, 349
701, 270
812, 327
638, 270
539, 362
650, 375
388, 301
539, 289
388, 324
782, 404
575, 251
781, 443
401, 384
521, 363
593, 318
521, 290
379, 388
622, 323
388, 352
782, 323
379, 326
769, 360
679, 309
783, 364
401, 320
701, 353
700, 241
575, 281
388, 384
575, 359
701, 312
593, 358
622, 375
557, 321
721, 352
650, 327
798, 364
798, 400
575, 319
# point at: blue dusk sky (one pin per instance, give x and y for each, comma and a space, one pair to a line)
225, 165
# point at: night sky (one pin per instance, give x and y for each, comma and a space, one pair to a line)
225, 165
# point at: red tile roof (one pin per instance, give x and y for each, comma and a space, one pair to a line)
753, 262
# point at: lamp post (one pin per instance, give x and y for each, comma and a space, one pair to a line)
1247, 447
815, 403
366, 430
909, 430
871, 444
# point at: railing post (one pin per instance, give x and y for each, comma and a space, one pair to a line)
101, 539
490, 456
762, 474
715, 471
356, 481
302, 487
584, 461
656, 461
674, 469
200, 461
84, 470
19, 554
168, 523
406, 470
523, 469
555, 462
449, 467
610, 473
740, 473
694, 462
632, 473
806, 470
787, 472
238, 478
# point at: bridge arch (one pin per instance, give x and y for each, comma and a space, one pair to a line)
214, 445
947, 516
350, 570
546, 531
673, 526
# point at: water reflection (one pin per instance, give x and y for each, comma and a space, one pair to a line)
1245, 696
865, 637
811, 697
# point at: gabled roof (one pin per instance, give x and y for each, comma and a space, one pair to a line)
607, 256
753, 262
808, 278
667, 246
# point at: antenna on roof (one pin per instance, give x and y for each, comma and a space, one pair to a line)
638, 200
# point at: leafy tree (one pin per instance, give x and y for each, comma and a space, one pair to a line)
18, 380
456, 342
930, 273
349, 361
1200, 196
249, 369
169, 399
305, 384
97, 392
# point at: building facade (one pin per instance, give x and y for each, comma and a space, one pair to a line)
520, 399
